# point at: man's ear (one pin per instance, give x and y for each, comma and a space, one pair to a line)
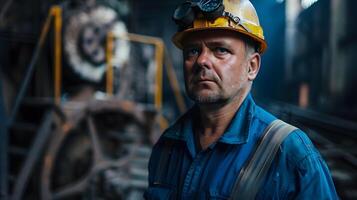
254, 66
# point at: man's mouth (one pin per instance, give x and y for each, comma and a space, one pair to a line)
203, 79
204, 76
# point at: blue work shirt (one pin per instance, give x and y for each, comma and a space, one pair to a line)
298, 171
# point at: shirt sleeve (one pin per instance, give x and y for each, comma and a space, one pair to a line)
314, 179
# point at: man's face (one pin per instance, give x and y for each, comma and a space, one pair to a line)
215, 66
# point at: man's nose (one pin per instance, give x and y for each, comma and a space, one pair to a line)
204, 58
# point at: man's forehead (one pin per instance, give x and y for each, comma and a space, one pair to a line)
212, 37
213, 42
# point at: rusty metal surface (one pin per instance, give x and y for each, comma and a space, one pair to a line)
101, 152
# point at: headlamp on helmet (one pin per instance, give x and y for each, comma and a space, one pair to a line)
188, 11
234, 15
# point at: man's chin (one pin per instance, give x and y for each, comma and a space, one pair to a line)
205, 99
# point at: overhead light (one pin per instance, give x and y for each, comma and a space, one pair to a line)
307, 3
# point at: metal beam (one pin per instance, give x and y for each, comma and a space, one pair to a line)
34, 154
3, 146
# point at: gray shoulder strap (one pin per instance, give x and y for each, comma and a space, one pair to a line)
253, 173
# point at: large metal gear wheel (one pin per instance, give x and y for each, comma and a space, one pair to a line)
85, 33
102, 153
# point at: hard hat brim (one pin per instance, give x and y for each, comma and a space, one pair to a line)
179, 37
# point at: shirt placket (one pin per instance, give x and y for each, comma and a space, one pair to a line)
192, 179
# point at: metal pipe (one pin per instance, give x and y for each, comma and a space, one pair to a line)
57, 14
34, 153
29, 72
174, 83
142, 38
4, 124
3, 147
292, 10
110, 75
159, 55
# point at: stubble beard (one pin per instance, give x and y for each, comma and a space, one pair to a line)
218, 96
212, 97
207, 97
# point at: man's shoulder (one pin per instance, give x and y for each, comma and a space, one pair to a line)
297, 147
263, 116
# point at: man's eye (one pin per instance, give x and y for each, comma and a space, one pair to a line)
191, 52
221, 50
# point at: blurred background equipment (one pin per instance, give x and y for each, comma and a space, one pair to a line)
88, 107
85, 33
83, 98
101, 152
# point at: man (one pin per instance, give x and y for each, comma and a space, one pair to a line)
201, 156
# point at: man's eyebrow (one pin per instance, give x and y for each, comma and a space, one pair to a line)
218, 43
191, 44
210, 43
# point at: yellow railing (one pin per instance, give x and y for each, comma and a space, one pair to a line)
109, 56
159, 55
159, 60
56, 13
170, 71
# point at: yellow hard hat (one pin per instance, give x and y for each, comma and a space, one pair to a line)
233, 15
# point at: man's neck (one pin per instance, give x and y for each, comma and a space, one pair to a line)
215, 119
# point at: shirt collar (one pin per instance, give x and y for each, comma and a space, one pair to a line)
237, 132
239, 129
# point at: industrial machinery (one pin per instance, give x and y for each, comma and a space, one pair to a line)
92, 139
101, 152
84, 39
